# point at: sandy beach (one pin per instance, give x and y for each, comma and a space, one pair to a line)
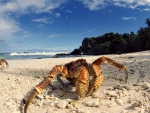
113, 96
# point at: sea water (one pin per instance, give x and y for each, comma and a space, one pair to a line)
28, 55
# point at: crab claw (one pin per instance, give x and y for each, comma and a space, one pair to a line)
32, 96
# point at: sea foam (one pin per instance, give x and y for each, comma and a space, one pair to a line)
33, 53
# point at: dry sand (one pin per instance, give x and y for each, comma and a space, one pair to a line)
19, 79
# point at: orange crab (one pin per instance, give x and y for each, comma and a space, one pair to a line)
2, 62
78, 72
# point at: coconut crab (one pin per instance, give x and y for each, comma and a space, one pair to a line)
78, 72
2, 61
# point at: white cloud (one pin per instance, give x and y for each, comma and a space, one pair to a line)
10, 9
57, 14
36, 6
100, 4
68, 11
8, 27
54, 35
43, 20
131, 3
93, 4
124, 1
129, 18
146, 9
119, 4
90, 30
60, 35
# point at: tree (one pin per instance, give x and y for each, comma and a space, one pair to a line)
110, 43
144, 38
118, 44
148, 21
102, 48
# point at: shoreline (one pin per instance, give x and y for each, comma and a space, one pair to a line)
22, 76
29, 56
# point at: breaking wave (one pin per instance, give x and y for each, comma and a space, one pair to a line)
33, 53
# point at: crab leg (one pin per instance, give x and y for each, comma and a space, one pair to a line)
98, 78
60, 80
100, 60
82, 82
58, 69
96, 81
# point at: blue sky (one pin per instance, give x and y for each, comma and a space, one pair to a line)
45, 25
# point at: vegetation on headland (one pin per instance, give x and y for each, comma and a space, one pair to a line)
116, 43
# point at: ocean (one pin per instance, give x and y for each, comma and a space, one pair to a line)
33, 55
27, 55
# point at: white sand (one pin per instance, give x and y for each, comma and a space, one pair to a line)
21, 76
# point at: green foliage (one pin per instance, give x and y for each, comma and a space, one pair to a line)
148, 22
110, 43
102, 48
